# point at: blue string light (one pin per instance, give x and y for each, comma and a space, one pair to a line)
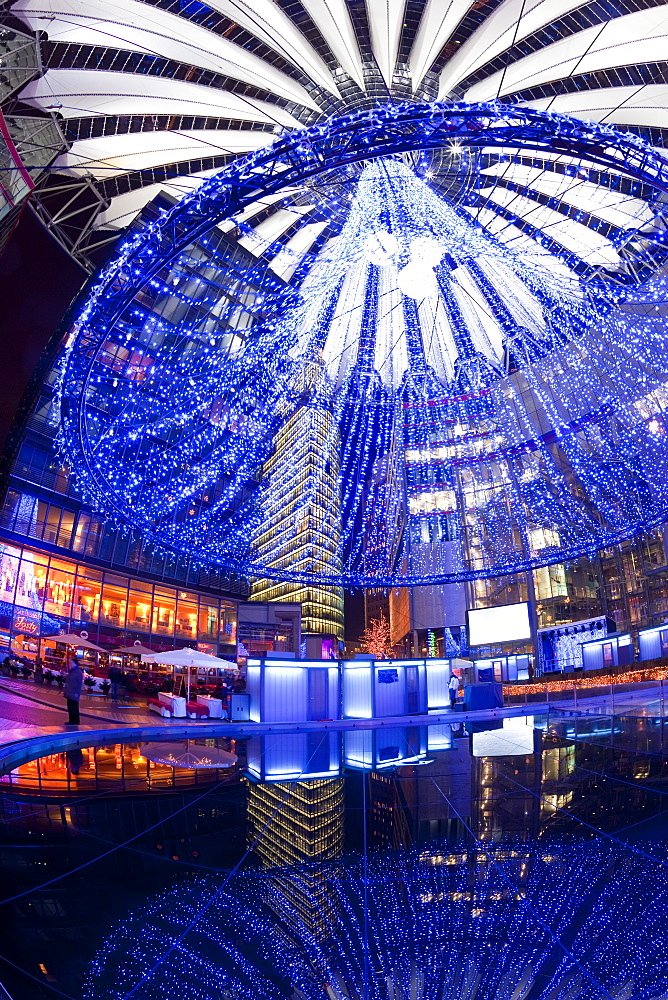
513, 920
487, 409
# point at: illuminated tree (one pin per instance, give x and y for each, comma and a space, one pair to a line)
377, 640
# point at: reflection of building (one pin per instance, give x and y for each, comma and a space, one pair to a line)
292, 823
300, 528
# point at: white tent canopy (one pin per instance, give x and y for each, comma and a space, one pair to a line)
72, 639
189, 658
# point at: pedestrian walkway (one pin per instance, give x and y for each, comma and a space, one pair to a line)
28, 710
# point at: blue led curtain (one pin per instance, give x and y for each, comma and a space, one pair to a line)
488, 404
525, 921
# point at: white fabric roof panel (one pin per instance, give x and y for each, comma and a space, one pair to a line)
296, 249
128, 24
507, 25
266, 20
588, 245
270, 229
385, 19
113, 154
126, 207
438, 22
628, 40
80, 92
619, 209
334, 22
645, 106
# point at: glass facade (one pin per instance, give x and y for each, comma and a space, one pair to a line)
42, 594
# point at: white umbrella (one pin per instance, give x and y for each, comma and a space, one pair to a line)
188, 755
188, 658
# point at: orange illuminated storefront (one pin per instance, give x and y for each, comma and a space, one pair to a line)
43, 594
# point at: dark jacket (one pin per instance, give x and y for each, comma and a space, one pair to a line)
73, 683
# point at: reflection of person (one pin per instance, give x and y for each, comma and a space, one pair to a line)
72, 690
75, 760
453, 688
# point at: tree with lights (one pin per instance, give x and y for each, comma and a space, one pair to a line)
376, 639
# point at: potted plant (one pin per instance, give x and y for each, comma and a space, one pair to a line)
15, 669
60, 680
26, 671
90, 683
105, 688
48, 677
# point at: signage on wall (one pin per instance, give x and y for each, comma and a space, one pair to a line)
27, 621
388, 675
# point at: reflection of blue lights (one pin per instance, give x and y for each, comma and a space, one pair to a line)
535, 920
169, 415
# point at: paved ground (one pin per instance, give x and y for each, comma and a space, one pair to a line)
27, 709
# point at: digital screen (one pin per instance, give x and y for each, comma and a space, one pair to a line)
509, 623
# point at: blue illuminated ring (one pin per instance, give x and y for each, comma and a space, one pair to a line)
289, 161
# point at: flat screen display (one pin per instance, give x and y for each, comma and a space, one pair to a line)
509, 623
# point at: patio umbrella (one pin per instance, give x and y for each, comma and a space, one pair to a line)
188, 658
72, 639
188, 755
137, 650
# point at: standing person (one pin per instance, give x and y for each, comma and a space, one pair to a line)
453, 688
72, 690
39, 671
115, 676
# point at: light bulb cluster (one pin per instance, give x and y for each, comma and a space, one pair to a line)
477, 397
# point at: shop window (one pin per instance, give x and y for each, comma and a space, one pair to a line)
208, 621
114, 601
186, 616
139, 608
87, 596
31, 582
164, 611
228, 623
59, 589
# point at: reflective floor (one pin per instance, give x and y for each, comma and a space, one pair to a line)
521, 862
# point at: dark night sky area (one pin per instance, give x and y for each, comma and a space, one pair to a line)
38, 280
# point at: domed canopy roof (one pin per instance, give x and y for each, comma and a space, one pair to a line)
158, 95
